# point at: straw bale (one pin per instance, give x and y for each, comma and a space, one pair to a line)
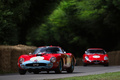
25, 47
117, 59
114, 57
0, 60
111, 58
5, 58
79, 61
16, 52
9, 56
14, 58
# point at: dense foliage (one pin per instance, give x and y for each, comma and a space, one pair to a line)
74, 25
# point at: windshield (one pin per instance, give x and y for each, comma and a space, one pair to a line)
96, 51
48, 50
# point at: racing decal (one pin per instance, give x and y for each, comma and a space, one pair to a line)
96, 56
68, 61
38, 58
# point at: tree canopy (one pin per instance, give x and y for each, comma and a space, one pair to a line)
74, 25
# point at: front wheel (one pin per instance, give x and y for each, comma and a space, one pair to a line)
59, 68
21, 71
84, 64
36, 72
70, 70
107, 64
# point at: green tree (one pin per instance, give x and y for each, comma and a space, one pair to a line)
18, 17
72, 24
7, 25
78, 25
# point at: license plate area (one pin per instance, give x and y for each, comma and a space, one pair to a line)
35, 64
96, 61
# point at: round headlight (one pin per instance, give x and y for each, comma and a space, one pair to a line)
21, 60
86, 58
52, 59
105, 58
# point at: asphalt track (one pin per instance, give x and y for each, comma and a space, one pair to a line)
79, 71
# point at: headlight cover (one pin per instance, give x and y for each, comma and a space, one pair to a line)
52, 59
105, 58
86, 58
21, 60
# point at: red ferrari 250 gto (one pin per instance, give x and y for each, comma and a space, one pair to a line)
47, 58
95, 56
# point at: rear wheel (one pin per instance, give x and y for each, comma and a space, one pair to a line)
21, 71
59, 68
107, 64
70, 70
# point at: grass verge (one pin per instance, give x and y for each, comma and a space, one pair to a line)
105, 76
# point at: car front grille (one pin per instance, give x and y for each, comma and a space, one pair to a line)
36, 64
96, 61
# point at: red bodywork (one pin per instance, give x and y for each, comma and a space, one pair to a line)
45, 58
95, 56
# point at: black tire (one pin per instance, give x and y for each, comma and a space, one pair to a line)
59, 68
48, 72
36, 72
21, 71
84, 64
70, 70
106, 65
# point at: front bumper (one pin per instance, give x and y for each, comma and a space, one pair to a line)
42, 64
96, 61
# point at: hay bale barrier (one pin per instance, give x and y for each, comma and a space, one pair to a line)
114, 57
9, 56
5, 57
79, 62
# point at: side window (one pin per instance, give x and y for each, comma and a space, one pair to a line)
60, 51
63, 51
87, 51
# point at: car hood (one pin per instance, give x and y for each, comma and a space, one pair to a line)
96, 56
38, 58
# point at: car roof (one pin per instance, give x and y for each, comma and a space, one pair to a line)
94, 49
49, 46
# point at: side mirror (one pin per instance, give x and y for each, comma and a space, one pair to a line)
64, 51
105, 52
43, 53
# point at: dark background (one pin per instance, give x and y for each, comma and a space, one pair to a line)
75, 25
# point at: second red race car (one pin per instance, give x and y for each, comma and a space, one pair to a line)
95, 56
46, 58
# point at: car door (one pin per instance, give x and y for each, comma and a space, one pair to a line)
68, 59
